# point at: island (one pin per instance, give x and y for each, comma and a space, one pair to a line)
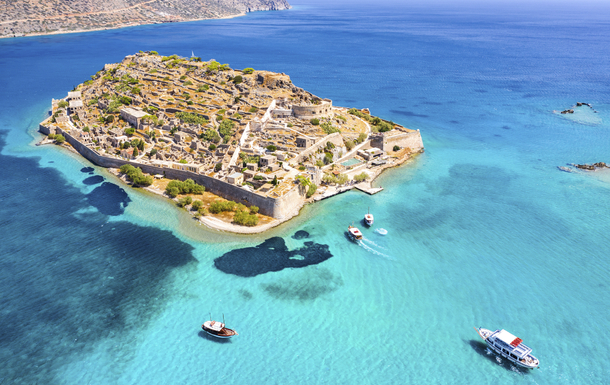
242, 150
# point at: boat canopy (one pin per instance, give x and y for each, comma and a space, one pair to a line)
215, 325
512, 343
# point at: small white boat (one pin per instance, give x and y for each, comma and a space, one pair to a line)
218, 329
510, 347
368, 219
354, 233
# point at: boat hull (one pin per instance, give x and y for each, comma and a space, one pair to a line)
484, 333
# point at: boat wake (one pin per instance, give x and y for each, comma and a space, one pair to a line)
381, 231
363, 244
371, 243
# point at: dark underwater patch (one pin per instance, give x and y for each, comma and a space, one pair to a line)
86, 169
97, 179
408, 113
454, 122
301, 234
109, 199
506, 127
70, 281
305, 286
271, 255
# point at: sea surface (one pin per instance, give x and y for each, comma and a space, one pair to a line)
104, 284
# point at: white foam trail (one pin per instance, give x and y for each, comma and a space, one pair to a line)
368, 241
370, 249
381, 231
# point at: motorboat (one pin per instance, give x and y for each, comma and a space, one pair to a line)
510, 347
368, 219
354, 233
218, 329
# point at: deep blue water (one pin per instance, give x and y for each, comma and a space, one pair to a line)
103, 284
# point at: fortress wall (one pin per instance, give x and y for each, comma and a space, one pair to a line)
410, 140
278, 208
310, 112
335, 138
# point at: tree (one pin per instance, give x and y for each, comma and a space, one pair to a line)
60, 139
212, 147
319, 163
238, 79
152, 152
86, 129
395, 148
328, 158
196, 205
135, 152
130, 131
271, 148
315, 121
141, 145
274, 182
218, 167
361, 177
362, 137
63, 104
349, 145
311, 190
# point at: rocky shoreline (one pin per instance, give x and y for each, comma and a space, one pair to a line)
34, 18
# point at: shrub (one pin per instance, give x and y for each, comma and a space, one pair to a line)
63, 104
361, 137
248, 70
258, 177
238, 79
349, 145
271, 148
328, 128
202, 88
135, 175
315, 121
319, 163
395, 148
311, 190
301, 168
361, 177
183, 161
130, 131
59, 138
290, 124
188, 117
212, 147
182, 77
253, 109
202, 211
154, 52
86, 129
219, 207
185, 201
176, 187
218, 167
245, 219
51, 136
253, 210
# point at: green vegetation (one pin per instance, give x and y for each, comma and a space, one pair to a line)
245, 219
211, 136
182, 77
253, 210
226, 127
196, 205
86, 129
59, 139
301, 168
361, 138
349, 145
238, 79
154, 52
62, 104
93, 101
218, 167
130, 131
361, 177
182, 202
328, 128
328, 158
258, 177
309, 185
183, 161
219, 207
253, 109
176, 187
395, 148
315, 121
212, 147
202, 88
136, 176
319, 163
191, 118
152, 152
248, 70
378, 124
339, 179
271, 148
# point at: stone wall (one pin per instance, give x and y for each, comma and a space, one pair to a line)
335, 138
315, 111
410, 140
283, 207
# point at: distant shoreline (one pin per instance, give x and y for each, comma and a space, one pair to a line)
122, 26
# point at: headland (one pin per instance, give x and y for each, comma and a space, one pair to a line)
243, 150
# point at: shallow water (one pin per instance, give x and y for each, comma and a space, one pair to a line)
104, 284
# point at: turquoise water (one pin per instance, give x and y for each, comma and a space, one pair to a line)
105, 285
350, 162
